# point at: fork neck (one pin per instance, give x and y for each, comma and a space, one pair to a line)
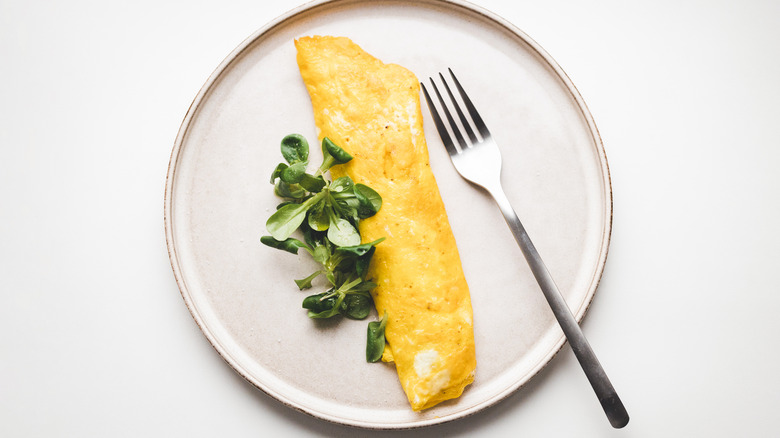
498, 194
495, 189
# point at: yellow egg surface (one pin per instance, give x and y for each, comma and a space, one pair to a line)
372, 110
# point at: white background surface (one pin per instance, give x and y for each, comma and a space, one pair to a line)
95, 339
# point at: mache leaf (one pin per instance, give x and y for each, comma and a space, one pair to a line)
357, 306
305, 283
293, 174
340, 156
290, 245
286, 220
295, 149
375, 342
342, 233
369, 200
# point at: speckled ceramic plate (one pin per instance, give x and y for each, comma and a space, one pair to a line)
241, 293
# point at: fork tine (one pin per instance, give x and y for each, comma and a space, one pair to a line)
445, 137
462, 117
453, 126
478, 122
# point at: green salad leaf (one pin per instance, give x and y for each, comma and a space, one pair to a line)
375, 343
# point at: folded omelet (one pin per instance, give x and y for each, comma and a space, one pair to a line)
372, 110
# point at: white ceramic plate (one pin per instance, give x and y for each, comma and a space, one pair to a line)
241, 293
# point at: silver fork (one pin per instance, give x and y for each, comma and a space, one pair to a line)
478, 160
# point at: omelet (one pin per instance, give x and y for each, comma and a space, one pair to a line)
372, 110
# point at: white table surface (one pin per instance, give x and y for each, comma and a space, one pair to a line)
95, 339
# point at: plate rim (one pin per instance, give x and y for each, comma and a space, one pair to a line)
233, 56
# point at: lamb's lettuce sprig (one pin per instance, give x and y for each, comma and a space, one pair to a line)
327, 213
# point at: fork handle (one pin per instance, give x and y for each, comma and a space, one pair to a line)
613, 407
